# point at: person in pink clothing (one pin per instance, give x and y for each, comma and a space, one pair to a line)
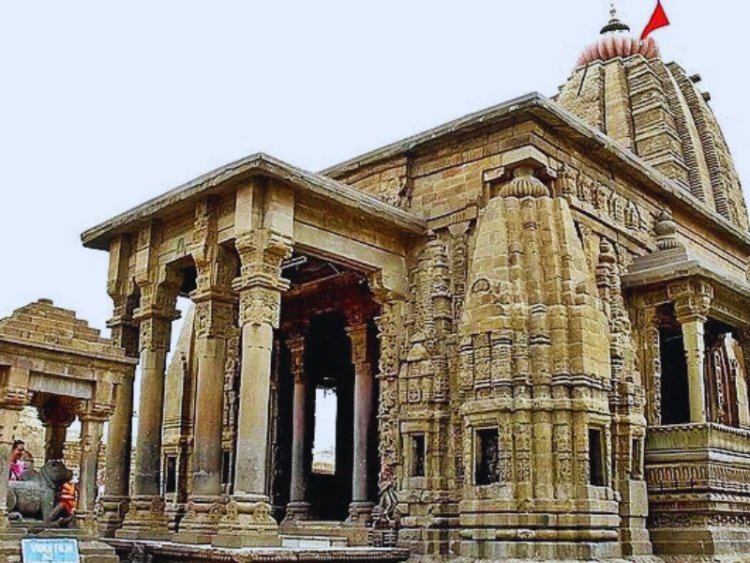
17, 467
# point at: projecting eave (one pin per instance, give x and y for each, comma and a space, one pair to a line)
258, 164
597, 145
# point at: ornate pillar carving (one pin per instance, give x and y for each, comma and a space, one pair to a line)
260, 286
385, 514
298, 507
742, 336
92, 423
360, 510
651, 362
215, 311
692, 302
124, 333
116, 499
13, 397
146, 517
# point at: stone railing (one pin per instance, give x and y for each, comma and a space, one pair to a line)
691, 437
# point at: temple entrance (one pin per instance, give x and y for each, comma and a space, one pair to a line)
323, 451
332, 418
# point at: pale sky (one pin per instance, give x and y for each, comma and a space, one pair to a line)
105, 105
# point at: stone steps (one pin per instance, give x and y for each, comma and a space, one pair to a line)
312, 542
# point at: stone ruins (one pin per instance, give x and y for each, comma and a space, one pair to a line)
527, 329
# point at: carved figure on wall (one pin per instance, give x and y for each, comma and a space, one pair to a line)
388, 505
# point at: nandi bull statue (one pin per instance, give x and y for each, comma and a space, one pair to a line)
37, 494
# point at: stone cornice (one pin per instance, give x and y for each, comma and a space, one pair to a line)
598, 146
254, 165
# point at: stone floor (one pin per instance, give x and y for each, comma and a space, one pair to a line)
304, 551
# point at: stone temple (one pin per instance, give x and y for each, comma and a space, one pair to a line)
528, 329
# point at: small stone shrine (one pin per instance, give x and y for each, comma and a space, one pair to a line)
55, 362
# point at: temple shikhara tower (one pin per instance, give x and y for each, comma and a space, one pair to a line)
524, 334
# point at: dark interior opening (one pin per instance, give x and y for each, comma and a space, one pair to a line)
226, 467
171, 481
675, 394
418, 455
328, 366
487, 466
596, 458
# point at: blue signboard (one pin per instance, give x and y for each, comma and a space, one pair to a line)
49, 551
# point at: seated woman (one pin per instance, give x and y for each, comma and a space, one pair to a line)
17, 466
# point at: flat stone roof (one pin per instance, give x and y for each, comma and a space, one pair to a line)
535, 105
256, 164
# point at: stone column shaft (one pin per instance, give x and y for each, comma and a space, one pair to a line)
692, 303
54, 438
155, 334
8, 421
692, 334
252, 426
119, 439
91, 439
213, 317
364, 391
116, 499
212, 320
248, 517
298, 507
146, 518
299, 478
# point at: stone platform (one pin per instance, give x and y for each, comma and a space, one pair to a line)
167, 552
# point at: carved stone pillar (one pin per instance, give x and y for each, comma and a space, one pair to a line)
146, 518
386, 513
742, 336
360, 510
213, 317
248, 518
92, 424
298, 507
692, 303
650, 349
13, 397
56, 415
116, 499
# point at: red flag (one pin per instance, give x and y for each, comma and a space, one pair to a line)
659, 19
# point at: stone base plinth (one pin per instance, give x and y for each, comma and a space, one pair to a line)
360, 514
296, 512
702, 542
490, 548
247, 522
201, 521
158, 552
145, 520
175, 514
113, 511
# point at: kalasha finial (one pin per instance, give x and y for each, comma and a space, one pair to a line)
614, 23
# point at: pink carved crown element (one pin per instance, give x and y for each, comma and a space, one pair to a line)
613, 45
